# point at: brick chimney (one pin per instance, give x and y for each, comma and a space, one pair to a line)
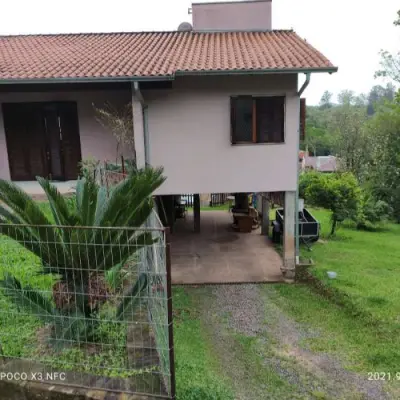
232, 15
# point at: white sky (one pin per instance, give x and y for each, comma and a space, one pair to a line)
349, 32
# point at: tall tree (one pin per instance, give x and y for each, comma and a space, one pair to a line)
326, 100
384, 130
390, 63
350, 141
378, 94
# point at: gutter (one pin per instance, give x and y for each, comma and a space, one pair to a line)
170, 77
296, 207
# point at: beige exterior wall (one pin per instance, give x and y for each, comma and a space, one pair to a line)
189, 135
95, 140
244, 15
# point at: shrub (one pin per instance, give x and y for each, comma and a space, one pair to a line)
372, 212
88, 167
306, 179
338, 192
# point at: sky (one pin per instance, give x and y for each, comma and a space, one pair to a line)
349, 32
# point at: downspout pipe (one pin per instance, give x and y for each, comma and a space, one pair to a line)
300, 92
136, 92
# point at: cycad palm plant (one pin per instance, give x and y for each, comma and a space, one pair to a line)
77, 247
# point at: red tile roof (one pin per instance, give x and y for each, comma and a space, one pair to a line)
154, 54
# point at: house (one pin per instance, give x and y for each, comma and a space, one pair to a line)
217, 105
317, 163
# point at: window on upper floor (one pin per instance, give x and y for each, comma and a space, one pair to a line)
257, 119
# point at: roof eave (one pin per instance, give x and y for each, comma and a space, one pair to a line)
259, 71
106, 79
170, 77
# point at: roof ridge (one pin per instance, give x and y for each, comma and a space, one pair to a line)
140, 33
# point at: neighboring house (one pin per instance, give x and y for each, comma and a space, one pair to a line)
319, 163
218, 107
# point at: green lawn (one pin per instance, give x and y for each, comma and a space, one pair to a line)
198, 374
367, 266
365, 329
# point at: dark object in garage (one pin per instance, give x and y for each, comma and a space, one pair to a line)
309, 227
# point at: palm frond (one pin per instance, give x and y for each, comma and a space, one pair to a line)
71, 329
121, 247
86, 200
58, 204
28, 298
27, 211
101, 206
126, 309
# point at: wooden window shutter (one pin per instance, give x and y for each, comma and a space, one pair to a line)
233, 119
302, 119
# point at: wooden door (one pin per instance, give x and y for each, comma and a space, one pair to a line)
53, 141
42, 140
71, 144
26, 144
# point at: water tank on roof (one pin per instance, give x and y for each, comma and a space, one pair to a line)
185, 27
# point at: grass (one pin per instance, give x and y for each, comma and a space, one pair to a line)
364, 330
198, 373
367, 266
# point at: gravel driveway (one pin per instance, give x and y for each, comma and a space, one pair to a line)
235, 314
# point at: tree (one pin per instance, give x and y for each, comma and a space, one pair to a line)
390, 63
346, 97
339, 193
326, 100
69, 249
119, 121
397, 21
384, 128
351, 143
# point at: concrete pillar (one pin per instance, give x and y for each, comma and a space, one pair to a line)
205, 199
4, 164
138, 128
265, 216
259, 202
196, 212
289, 245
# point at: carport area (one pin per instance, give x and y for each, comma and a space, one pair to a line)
218, 254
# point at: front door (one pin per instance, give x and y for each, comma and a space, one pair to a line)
42, 140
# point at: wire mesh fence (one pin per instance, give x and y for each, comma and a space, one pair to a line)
87, 307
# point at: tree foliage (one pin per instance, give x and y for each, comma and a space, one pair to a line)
119, 122
390, 63
339, 193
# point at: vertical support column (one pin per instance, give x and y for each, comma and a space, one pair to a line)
265, 216
289, 245
138, 128
196, 212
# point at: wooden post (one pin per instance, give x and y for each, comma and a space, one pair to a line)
289, 247
265, 216
196, 212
